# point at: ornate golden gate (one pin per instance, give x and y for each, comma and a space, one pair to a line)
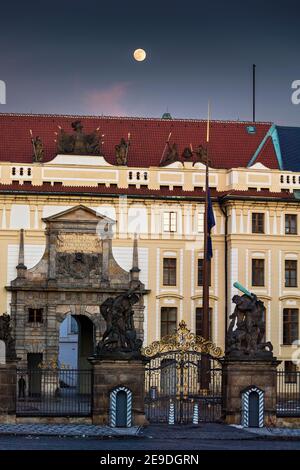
183, 379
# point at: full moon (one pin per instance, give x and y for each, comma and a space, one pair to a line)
139, 55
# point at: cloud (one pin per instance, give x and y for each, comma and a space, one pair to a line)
107, 101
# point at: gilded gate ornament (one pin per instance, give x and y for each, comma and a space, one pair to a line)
182, 341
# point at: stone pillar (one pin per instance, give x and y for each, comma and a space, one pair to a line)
240, 374
139, 319
109, 374
8, 380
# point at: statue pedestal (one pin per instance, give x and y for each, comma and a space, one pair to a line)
109, 375
8, 378
243, 375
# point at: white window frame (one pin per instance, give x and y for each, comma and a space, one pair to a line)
200, 222
170, 221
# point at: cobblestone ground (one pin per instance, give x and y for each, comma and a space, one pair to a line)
81, 430
204, 431
154, 437
274, 432
156, 444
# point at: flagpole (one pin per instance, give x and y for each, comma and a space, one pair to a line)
205, 379
205, 257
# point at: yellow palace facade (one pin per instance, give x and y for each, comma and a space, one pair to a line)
159, 195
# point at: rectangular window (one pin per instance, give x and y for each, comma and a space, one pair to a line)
168, 320
199, 322
290, 372
170, 221
169, 271
290, 273
290, 224
290, 325
258, 222
200, 227
258, 272
35, 315
200, 272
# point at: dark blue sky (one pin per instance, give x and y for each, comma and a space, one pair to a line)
76, 57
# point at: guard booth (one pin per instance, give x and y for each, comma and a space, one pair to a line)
121, 408
253, 407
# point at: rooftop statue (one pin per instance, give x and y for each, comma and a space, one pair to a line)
79, 143
246, 332
38, 148
187, 153
122, 151
171, 154
201, 154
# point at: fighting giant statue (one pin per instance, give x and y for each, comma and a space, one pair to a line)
120, 336
246, 332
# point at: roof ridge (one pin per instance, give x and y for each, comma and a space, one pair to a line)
128, 118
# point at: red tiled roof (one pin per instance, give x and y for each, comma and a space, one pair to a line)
143, 192
267, 155
230, 144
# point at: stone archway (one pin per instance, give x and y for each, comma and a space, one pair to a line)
77, 341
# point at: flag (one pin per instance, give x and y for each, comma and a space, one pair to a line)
210, 224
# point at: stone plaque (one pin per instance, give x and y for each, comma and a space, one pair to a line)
78, 243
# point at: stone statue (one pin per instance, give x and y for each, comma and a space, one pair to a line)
201, 154
246, 332
6, 336
38, 148
64, 142
187, 153
122, 152
79, 143
171, 154
120, 337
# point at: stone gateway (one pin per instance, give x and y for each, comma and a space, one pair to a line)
76, 275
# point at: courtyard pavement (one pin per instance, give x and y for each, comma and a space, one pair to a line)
274, 432
72, 430
205, 431
154, 438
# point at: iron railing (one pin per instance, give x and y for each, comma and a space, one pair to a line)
54, 392
288, 393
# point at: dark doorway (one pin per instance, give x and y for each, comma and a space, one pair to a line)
253, 410
76, 342
85, 341
121, 409
34, 374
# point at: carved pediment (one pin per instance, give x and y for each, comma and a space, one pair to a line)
78, 213
78, 253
